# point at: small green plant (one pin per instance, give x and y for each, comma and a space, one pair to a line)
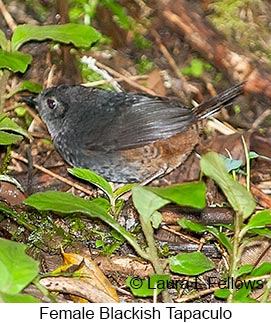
248, 226
196, 68
147, 201
17, 271
12, 60
119, 14
10, 133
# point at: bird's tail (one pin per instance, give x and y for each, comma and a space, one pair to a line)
223, 99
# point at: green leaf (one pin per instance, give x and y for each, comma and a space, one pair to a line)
25, 86
16, 268
9, 125
259, 220
262, 232
196, 68
3, 40
197, 227
253, 155
119, 12
240, 199
191, 194
147, 202
67, 203
245, 269
232, 164
192, 226
17, 298
222, 293
124, 189
146, 287
14, 61
8, 138
94, 179
80, 36
242, 295
263, 269
156, 219
191, 264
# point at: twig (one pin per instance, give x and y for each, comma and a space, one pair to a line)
260, 119
118, 79
126, 79
183, 236
167, 55
196, 295
46, 171
7, 16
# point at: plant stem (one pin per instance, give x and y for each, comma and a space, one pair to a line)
247, 164
152, 252
6, 160
3, 84
235, 256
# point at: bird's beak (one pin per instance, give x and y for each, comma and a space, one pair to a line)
29, 100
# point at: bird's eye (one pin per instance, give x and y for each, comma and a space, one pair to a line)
52, 104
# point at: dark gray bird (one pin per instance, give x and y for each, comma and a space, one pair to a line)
124, 137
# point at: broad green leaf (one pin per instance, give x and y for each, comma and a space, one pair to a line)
25, 86
93, 178
14, 61
242, 294
191, 194
17, 298
240, 199
191, 264
197, 227
222, 293
156, 219
192, 226
245, 269
3, 40
243, 299
9, 138
265, 232
263, 269
146, 287
9, 125
222, 238
259, 220
147, 202
16, 268
67, 203
79, 35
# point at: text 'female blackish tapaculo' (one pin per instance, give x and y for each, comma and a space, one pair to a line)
124, 137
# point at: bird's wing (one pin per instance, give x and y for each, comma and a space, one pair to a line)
125, 121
